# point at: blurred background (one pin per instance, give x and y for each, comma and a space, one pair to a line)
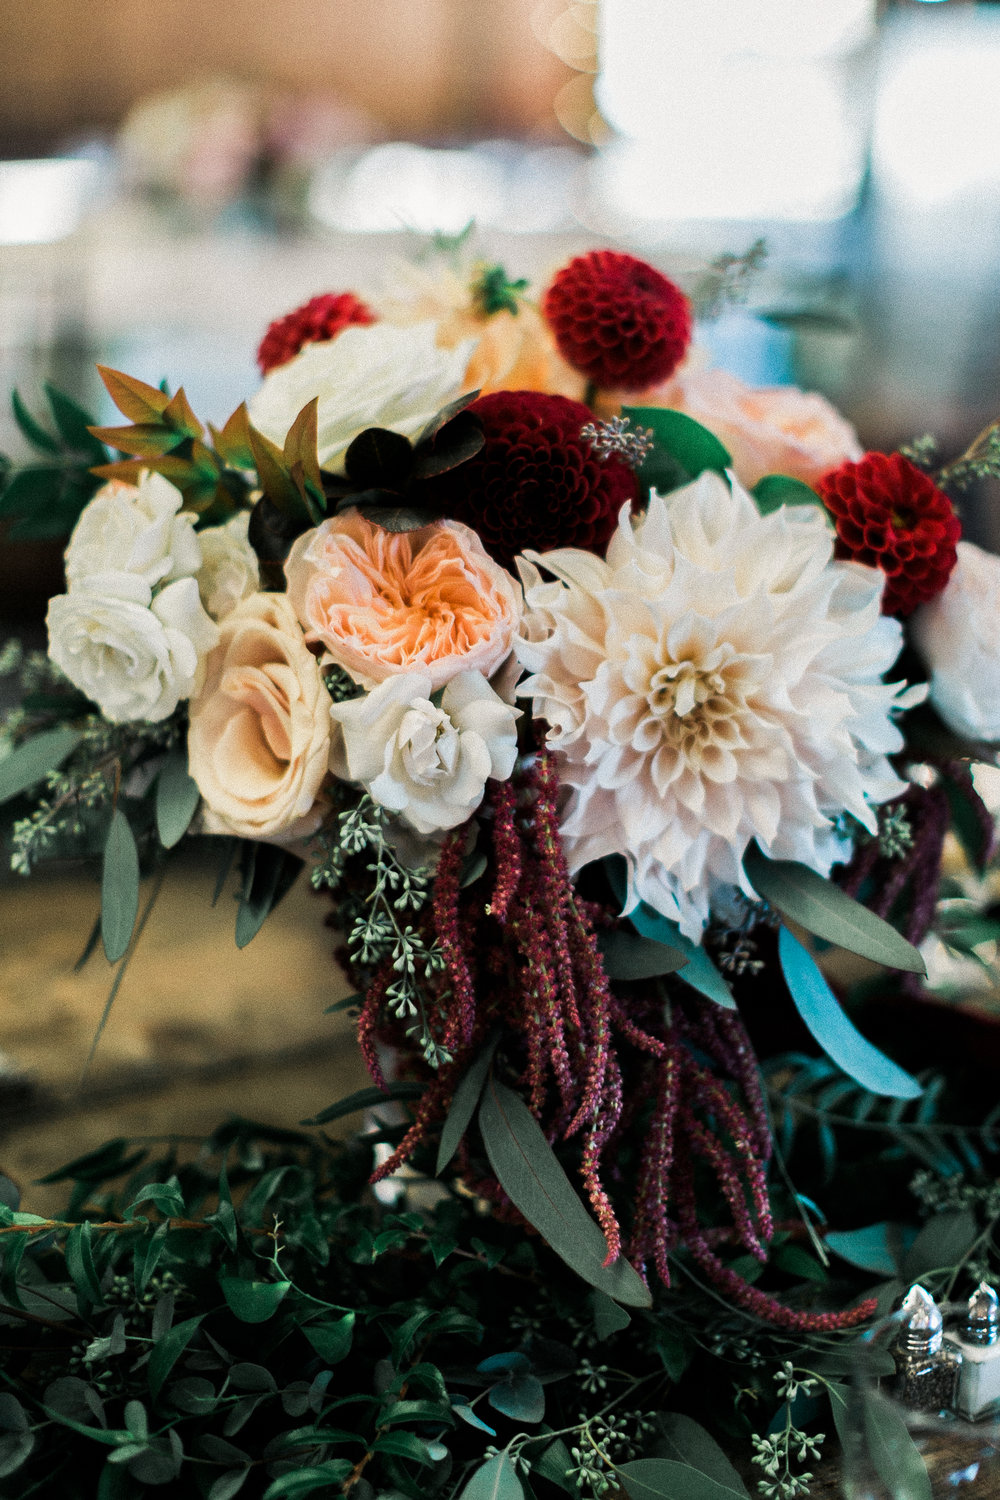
173, 177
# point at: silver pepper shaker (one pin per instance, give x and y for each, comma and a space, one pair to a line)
979, 1339
927, 1364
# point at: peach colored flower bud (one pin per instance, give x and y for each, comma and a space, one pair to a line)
382, 602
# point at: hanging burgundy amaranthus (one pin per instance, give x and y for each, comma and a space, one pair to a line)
657, 1091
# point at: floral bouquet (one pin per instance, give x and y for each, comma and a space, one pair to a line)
601, 692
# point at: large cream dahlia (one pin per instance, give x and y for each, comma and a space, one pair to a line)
717, 679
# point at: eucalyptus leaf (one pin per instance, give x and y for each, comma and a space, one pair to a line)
529, 1173
496, 1480
628, 956
268, 875
119, 887
894, 1455
35, 758
609, 1318
367, 1098
167, 1350
943, 1243
825, 910
877, 1247
830, 1027
683, 1439
177, 797
699, 971
463, 1104
666, 1479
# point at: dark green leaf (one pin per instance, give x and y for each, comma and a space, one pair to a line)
177, 797
877, 1248
74, 426
446, 414
268, 874
943, 1243
683, 1440
463, 1104
807, 320
460, 440
35, 758
396, 518
665, 1479
331, 1341
831, 1028
228, 1485
776, 490
167, 1350
628, 956
527, 1169
689, 444
824, 909
496, 1480
402, 1445
609, 1318
80, 1265
379, 457
555, 1465
522, 1399
166, 1196
893, 1453
367, 1098
119, 887
253, 1301
32, 430
15, 1448
326, 1477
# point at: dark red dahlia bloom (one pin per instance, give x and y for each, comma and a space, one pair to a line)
319, 319
891, 515
536, 482
618, 320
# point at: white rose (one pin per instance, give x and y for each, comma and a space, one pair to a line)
229, 571
135, 656
427, 763
137, 529
377, 376
958, 635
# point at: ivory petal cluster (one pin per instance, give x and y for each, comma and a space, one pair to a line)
958, 634
429, 762
717, 679
373, 376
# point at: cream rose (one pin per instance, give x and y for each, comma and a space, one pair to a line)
958, 635
428, 763
134, 655
259, 740
375, 376
768, 430
382, 603
136, 529
229, 570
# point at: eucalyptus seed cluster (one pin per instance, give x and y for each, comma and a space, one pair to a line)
776, 1453
382, 926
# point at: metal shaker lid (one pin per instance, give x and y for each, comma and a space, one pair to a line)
982, 1324
923, 1324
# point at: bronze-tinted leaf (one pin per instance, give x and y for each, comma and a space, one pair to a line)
379, 457
134, 398
458, 440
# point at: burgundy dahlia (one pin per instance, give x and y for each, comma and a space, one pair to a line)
619, 321
536, 482
320, 319
890, 515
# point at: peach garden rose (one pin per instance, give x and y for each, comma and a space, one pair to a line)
767, 429
381, 603
259, 742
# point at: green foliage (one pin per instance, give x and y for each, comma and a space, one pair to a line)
682, 448
44, 498
833, 1030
